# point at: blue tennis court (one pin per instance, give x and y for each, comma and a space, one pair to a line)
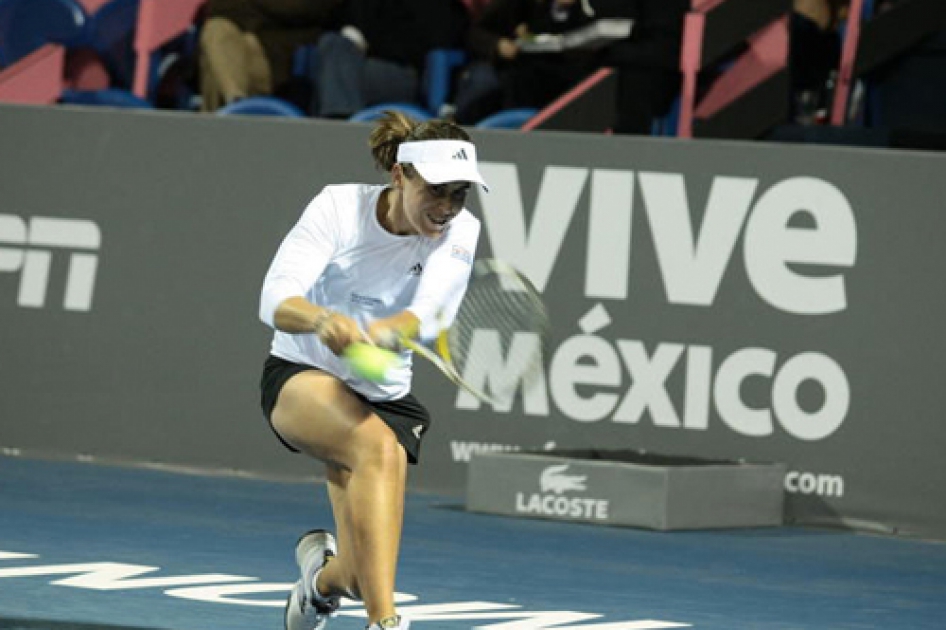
89, 545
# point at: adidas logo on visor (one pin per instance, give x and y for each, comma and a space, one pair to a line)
441, 161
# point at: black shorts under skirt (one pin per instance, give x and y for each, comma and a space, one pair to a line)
406, 416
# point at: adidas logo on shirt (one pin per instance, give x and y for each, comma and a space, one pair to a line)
460, 155
416, 269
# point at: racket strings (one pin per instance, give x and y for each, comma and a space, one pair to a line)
501, 329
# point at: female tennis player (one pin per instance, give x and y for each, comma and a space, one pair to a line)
365, 263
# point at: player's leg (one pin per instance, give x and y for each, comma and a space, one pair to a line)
368, 512
317, 414
341, 576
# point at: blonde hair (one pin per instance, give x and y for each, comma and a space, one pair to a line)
394, 127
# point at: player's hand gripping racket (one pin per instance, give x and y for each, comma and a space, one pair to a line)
499, 335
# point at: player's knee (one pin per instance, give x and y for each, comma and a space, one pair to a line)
378, 448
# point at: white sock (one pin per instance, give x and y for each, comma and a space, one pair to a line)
401, 624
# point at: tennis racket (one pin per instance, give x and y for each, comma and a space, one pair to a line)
499, 337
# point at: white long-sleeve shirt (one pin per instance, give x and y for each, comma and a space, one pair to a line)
339, 256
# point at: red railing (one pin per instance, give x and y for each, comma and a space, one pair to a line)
765, 57
159, 21
36, 78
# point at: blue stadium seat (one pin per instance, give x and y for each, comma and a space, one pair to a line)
261, 106
26, 25
375, 112
508, 119
111, 97
437, 82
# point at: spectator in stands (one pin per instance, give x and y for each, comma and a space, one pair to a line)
378, 55
647, 62
246, 46
502, 76
815, 54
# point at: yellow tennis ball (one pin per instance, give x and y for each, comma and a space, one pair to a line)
370, 362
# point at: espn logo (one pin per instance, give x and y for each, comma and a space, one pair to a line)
28, 248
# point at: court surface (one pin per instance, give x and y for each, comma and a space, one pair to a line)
104, 545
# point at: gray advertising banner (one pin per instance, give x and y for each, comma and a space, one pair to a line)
711, 299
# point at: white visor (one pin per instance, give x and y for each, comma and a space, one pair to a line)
442, 161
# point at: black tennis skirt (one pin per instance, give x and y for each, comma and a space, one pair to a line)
406, 416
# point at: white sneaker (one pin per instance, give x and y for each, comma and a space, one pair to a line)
391, 623
305, 608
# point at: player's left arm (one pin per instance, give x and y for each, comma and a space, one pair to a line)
445, 278
441, 288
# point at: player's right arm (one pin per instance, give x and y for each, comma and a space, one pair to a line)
300, 261
298, 315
